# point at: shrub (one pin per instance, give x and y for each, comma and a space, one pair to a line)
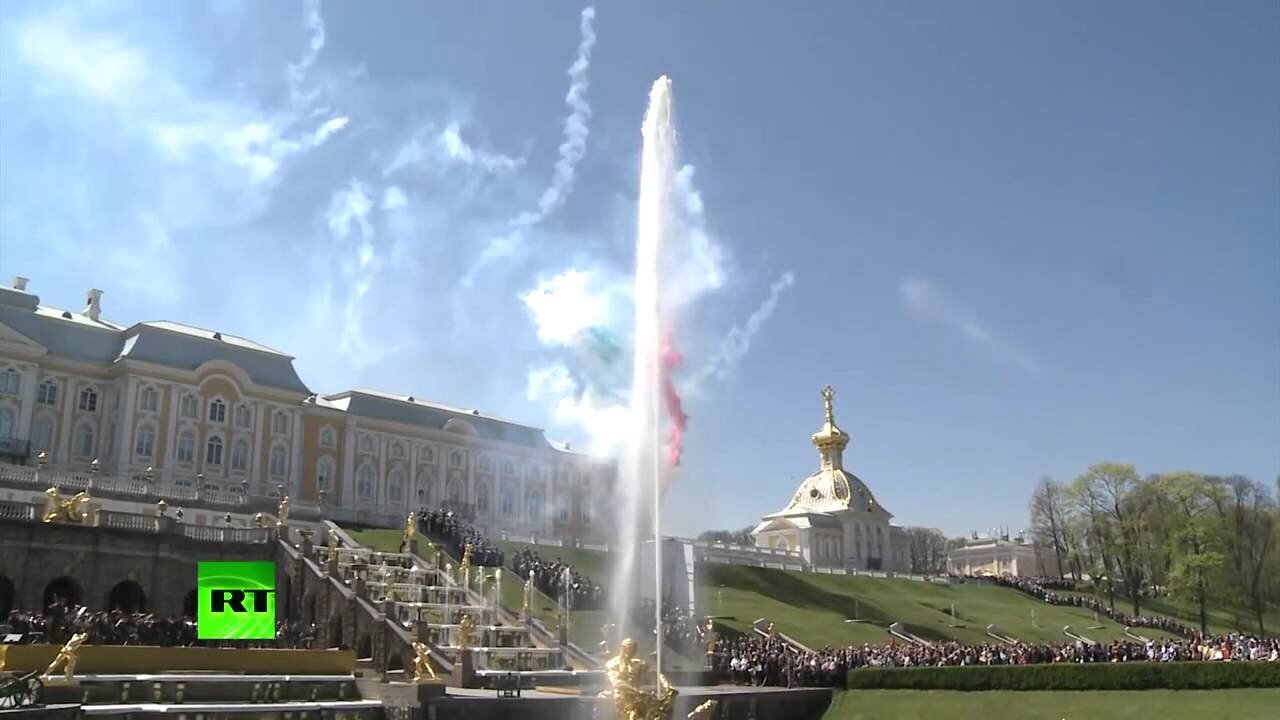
1072, 676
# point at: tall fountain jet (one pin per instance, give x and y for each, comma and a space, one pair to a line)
643, 467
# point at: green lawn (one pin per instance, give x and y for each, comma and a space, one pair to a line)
813, 608
1221, 620
1097, 705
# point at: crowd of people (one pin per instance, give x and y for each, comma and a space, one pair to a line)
116, 627
1050, 590
457, 534
558, 579
772, 661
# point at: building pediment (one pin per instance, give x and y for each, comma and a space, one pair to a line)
15, 343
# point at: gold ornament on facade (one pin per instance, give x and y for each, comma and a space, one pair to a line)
422, 670
631, 701
70, 510
66, 658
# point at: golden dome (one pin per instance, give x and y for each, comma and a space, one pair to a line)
830, 437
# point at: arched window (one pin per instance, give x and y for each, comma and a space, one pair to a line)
279, 422
190, 406
150, 399
586, 512
278, 464
6, 423
534, 506
186, 447
426, 491
145, 442
240, 455
455, 458
324, 474
397, 450
213, 451
395, 486
243, 417
89, 400
427, 454
366, 443
562, 507
482, 499
83, 444
10, 381
455, 490
42, 434
508, 501
364, 481
47, 393
326, 437
217, 411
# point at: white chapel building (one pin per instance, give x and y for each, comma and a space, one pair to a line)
833, 520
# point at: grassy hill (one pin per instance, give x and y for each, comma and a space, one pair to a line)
1221, 620
813, 608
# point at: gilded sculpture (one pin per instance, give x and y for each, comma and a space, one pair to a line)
410, 528
282, 512
466, 631
465, 566
712, 640
631, 701
422, 670
66, 658
59, 510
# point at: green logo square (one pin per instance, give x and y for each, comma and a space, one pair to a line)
236, 601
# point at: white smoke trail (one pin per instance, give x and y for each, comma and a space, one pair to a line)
298, 71
736, 344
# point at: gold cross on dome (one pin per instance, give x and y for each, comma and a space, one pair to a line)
827, 394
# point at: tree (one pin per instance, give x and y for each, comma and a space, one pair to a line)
1094, 530
1251, 532
927, 548
1048, 519
1194, 539
732, 537
1123, 506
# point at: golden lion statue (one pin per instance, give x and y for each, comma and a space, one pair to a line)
71, 510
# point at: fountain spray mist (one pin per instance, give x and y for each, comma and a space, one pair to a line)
642, 466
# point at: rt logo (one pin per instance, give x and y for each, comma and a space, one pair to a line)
236, 601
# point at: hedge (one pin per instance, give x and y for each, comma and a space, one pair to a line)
1072, 676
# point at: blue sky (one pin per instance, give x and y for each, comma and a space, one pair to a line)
1021, 237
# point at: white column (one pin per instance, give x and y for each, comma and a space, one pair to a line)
257, 474
170, 459
348, 477
29, 382
69, 400
124, 436
295, 467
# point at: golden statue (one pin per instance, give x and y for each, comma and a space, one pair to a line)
465, 565
334, 542
66, 658
712, 640
626, 674
59, 510
410, 528
282, 512
422, 669
827, 394
466, 631
771, 631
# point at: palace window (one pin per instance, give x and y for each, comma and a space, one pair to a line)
508, 502
562, 508
6, 422
217, 411
243, 417
240, 455
10, 381
213, 451
364, 481
486, 463
395, 486
47, 393
508, 468
455, 491
89, 400
324, 474
150, 399
427, 454
186, 448
366, 443
535, 506
278, 464
279, 422
482, 499
83, 444
42, 434
455, 458
145, 443
586, 513
397, 450
424, 488
190, 407
326, 437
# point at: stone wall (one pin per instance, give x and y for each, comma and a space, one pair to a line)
92, 561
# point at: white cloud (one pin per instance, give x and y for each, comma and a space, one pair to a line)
567, 305
102, 67
606, 420
925, 300
434, 150
393, 198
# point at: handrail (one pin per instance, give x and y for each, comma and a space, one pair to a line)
899, 631
1128, 632
1006, 639
1076, 636
778, 633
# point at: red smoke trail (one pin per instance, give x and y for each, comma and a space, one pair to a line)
670, 359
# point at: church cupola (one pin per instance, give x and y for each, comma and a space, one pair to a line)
830, 439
